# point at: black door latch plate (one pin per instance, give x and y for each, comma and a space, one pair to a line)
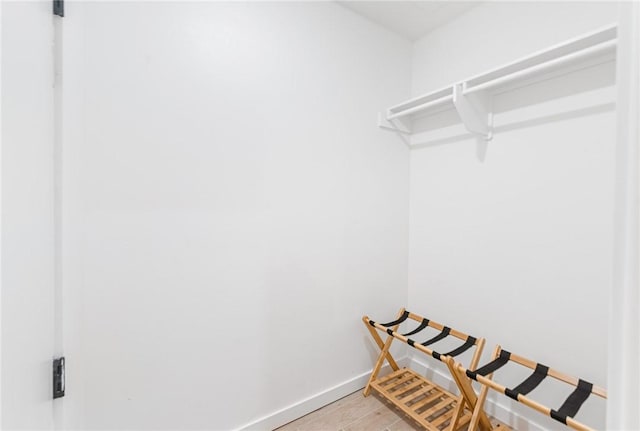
58, 377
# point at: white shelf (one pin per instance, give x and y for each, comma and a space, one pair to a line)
472, 97
422, 103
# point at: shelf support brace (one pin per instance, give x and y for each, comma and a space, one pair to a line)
475, 111
390, 125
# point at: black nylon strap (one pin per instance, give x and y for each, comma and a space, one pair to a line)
491, 366
445, 331
530, 383
424, 324
436, 355
372, 323
554, 414
573, 403
460, 350
398, 321
511, 394
389, 331
410, 342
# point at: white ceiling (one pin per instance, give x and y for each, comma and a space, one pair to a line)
410, 19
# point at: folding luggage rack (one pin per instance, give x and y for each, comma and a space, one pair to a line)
435, 408
430, 405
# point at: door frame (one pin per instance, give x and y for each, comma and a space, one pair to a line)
624, 308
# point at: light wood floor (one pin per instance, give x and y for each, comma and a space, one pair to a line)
356, 413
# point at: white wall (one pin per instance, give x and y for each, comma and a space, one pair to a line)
515, 244
230, 213
27, 215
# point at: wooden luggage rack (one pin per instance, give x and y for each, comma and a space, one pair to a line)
427, 403
565, 414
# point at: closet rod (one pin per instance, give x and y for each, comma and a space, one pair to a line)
568, 58
442, 100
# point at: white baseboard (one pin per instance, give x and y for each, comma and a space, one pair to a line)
493, 408
312, 403
321, 399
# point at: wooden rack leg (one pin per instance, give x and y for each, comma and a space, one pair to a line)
460, 405
384, 353
478, 411
462, 401
483, 395
468, 393
380, 343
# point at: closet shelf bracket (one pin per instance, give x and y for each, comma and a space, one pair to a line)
390, 125
385, 124
475, 111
